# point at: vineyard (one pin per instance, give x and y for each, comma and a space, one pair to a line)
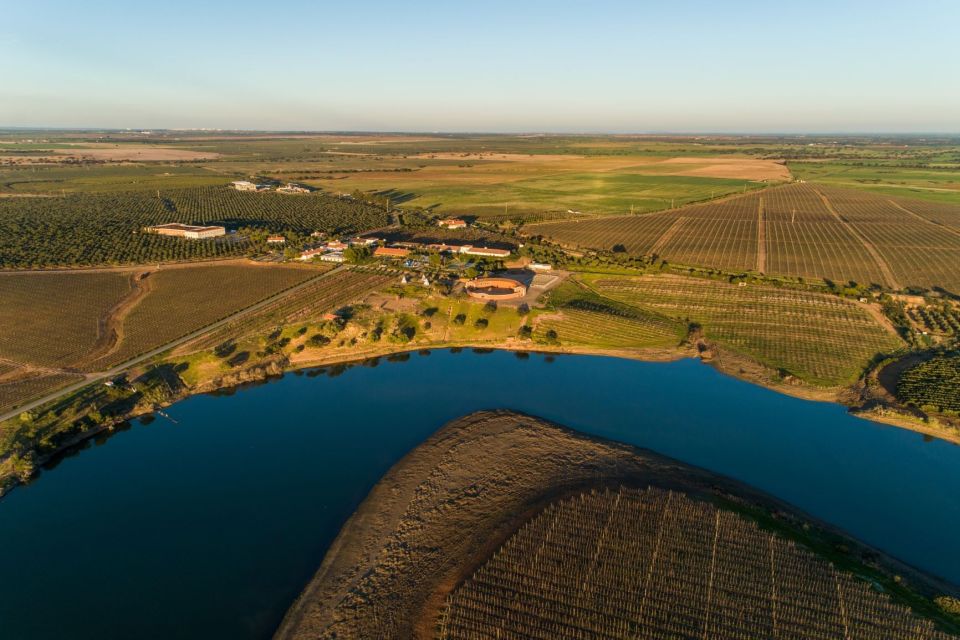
795, 230
325, 295
657, 564
182, 300
821, 339
583, 317
17, 390
52, 319
102, 229
933, 385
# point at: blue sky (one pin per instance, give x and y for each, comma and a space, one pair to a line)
680, 66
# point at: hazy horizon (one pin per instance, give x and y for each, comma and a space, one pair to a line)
693, 68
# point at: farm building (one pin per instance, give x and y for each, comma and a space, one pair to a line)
333, 256
276, 239
484, 251
453, 223
539, 266
390, 252
310, 254
336, 245
246, 185
193, 232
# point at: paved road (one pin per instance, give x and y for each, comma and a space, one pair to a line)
117, 370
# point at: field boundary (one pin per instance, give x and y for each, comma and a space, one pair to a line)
667, 236
103, 375
940, 227
761, 238
869, 246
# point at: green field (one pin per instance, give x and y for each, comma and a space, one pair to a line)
939, 182
823, 340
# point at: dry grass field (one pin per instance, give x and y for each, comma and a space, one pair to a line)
655, 564
821, 339
799, 229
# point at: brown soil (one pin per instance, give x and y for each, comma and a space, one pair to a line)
110, 324
734, 168
451, 502
120, 152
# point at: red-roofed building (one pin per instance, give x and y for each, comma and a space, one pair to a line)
390, 252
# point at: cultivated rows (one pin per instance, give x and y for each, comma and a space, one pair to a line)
819, 338
184, 300
934, 384
325, 295
600, 328
53, 319
103, 229
657, 564
805, 230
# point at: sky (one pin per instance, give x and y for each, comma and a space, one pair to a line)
685, 66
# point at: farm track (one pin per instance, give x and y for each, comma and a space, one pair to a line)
91, 378
761, 239
110, 326
664, 240
869, 246
917, 216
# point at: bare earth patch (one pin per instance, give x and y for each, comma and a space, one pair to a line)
733, 168
117, 153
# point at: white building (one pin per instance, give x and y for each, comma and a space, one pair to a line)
333, 256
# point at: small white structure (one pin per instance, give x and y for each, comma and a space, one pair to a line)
276, 240
333, 256
336, 245
403, 279
425, 281
539, 266
292, 187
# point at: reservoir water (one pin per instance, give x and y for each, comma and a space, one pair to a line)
208, 527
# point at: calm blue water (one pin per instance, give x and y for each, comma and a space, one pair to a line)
210, 527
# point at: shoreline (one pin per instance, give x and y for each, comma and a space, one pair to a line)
257, 373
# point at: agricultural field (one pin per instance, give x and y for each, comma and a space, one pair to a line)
307, 305
934, 178
56, 319
653, 564
920, 253
799, 230
821, 339
583, 317
182, 300
107, 229
933, 385
15, 391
